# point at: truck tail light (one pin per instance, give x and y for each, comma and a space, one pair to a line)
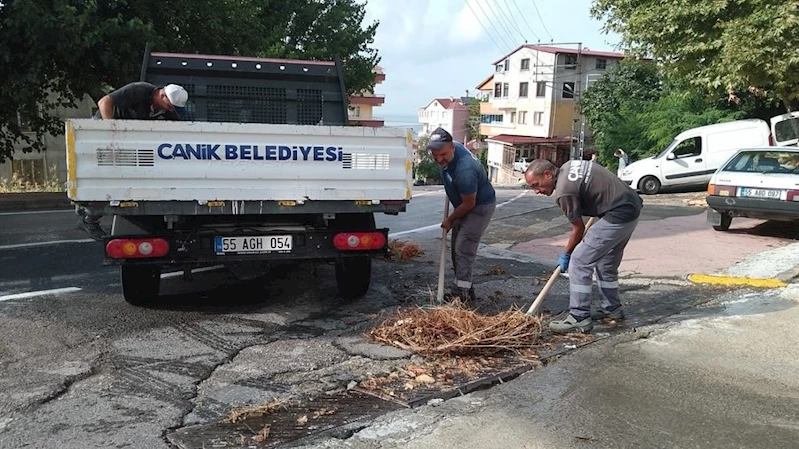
713, 189
355, 241
137, 248
793, 195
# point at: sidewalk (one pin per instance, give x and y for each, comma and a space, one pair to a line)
16, 202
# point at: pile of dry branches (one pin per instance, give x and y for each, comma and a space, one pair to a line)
404, 251
453, 329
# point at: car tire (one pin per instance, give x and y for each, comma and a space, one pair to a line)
726, 221
650, 185
140, 284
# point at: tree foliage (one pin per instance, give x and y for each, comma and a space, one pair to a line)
637, 108
426, 167
733, 45
53, 52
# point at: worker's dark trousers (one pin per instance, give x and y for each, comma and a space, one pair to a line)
466, 235
602, 249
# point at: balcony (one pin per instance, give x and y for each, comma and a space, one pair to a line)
374, 100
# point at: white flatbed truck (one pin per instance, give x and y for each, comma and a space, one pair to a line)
265, 169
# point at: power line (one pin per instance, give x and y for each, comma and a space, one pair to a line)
501, 22
484, 28
507, 21
541, 19
510, 14
525, 20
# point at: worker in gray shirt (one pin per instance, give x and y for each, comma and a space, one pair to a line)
584, 188
471, 193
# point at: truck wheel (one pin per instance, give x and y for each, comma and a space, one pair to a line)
353, 276
140, 283
726, 221
649, 185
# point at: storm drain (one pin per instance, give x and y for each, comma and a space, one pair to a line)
314, 417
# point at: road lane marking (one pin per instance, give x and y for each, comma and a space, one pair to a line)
435, 226
173, 274
30, 212
54, 291
52, 242
431, 192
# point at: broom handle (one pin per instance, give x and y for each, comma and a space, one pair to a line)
442, 260
540, 298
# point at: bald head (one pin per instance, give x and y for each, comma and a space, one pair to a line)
540, 176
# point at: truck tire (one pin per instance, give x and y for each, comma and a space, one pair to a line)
726, 221
140, 284
650, 185
353, 275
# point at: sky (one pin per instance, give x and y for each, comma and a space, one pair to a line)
440, 48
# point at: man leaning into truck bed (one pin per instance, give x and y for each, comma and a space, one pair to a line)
136, 101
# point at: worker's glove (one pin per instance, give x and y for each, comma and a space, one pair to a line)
563, 261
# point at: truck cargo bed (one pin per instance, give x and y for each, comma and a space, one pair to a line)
242, 165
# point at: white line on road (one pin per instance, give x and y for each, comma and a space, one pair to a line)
30, 212
428, 228
52, 242
173, 274
39, 293
431, 192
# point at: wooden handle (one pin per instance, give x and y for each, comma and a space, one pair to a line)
540, 298
443, 259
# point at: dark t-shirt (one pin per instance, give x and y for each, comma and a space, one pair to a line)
584, 188
466, 175
134, 101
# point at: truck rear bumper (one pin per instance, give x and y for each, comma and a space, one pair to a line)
392, 207
204, 249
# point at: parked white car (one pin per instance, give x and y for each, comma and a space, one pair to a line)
761, 183
521, 165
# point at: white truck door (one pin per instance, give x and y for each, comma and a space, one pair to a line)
785, 129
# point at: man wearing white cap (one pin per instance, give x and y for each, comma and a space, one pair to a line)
144, 101
136, 101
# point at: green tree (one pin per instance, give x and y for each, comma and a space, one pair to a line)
737, 46
69, 48
426, 167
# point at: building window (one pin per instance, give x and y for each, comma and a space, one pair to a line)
568, 90
523, 87
355, 111
497, 90
540, 89
571, 62
522, 117
601, 64
513, 117
507, 65
538, 118
526, 64
499, 67
28, 171
505, 90
490, 119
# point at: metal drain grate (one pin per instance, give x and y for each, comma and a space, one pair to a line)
324, 415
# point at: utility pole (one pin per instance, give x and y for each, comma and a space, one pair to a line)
578, 123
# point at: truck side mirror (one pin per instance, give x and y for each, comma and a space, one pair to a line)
671, 156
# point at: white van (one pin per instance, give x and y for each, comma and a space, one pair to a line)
694, 155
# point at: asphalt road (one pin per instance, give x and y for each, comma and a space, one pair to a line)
81, 368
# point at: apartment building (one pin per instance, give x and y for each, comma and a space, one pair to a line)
532, 99
450, 113
361, 107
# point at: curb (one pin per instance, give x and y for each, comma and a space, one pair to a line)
734, 281
21, 202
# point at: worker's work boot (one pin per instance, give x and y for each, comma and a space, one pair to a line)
615, 314
465, 294
572, 324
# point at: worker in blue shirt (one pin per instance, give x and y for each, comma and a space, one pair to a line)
474, 199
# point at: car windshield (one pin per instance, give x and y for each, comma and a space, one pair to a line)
787, 129
764, 161
667, 149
